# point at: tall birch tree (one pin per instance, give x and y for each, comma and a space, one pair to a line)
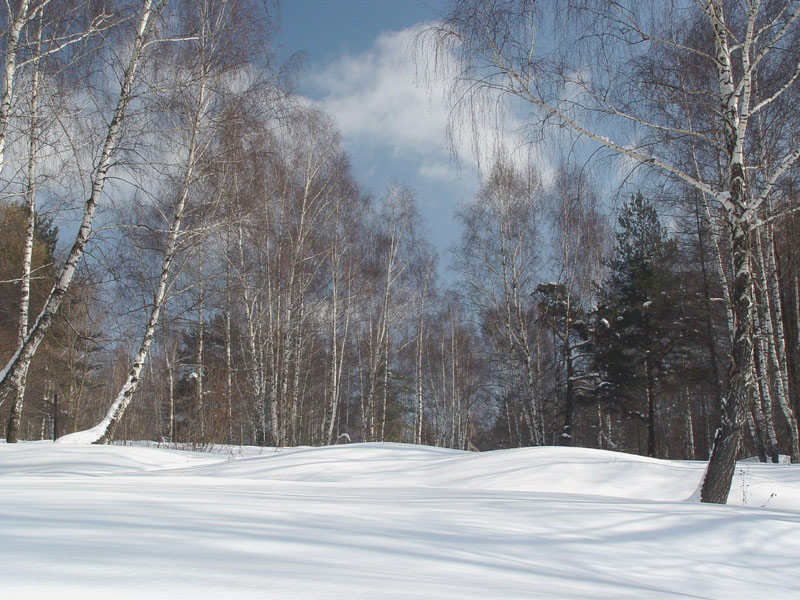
599, 74
203, 67
12, 377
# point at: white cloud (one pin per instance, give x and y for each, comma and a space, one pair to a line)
378, 100
375, 97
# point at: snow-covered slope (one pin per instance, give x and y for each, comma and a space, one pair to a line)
387, 521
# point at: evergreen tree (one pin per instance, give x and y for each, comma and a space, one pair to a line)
639, 317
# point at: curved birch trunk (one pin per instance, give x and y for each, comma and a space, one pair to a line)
103, 432
12, 377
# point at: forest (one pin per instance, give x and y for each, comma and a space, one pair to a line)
187, 257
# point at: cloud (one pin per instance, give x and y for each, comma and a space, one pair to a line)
376, 98
379, 102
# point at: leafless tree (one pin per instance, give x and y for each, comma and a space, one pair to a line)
601, 74
500, 259
203, 73
12, 377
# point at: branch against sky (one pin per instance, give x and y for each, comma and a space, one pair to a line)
562, 70
671, 80
12, 377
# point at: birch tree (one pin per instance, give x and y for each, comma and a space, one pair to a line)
499, 257
12, 377
33, 32
193, 109
601, 78
342, 264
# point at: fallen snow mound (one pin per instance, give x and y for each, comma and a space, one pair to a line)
544, 469
387, 521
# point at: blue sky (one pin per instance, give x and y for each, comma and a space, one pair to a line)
326, 29
359, 68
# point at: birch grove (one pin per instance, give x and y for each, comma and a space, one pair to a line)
12, 377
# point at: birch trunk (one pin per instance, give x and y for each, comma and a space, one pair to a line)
297, 359
762, 396
727, 441
13, 375
228, 344
419, 353
171, 394
103, 432
254, 349
200, 400
382, 437
383, 342
337, 355
273, 334
689, 425
329, 420
17, 22
777, 342
18, 393
651, 408
728, 437
455, 408
796, 315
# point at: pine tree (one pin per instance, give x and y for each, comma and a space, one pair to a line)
639, 320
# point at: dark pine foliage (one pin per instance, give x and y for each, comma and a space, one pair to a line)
639, 321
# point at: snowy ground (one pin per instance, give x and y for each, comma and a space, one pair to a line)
387, 521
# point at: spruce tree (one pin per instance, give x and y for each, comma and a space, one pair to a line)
639, 316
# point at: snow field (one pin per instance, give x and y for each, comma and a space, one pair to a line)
387, 521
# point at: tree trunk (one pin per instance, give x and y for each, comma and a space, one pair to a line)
728, 437
200, 403
762, 396
777, 341
727, 443
689, 425
12, 377
569, 395
10, 70
651, 408
228, 346
15, 418
103, 432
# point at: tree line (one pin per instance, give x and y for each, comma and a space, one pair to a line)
187, 256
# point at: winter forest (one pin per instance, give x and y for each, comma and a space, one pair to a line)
187, 257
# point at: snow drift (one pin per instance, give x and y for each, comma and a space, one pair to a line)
387, 521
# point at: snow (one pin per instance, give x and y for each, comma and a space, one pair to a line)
87, 436
387, 521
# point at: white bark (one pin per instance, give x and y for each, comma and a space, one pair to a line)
103, 432
762, 396
419, 353
689, 425
201, 336
228, 343
777, 340
338, 339
27, 253
16, 368
17, 22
